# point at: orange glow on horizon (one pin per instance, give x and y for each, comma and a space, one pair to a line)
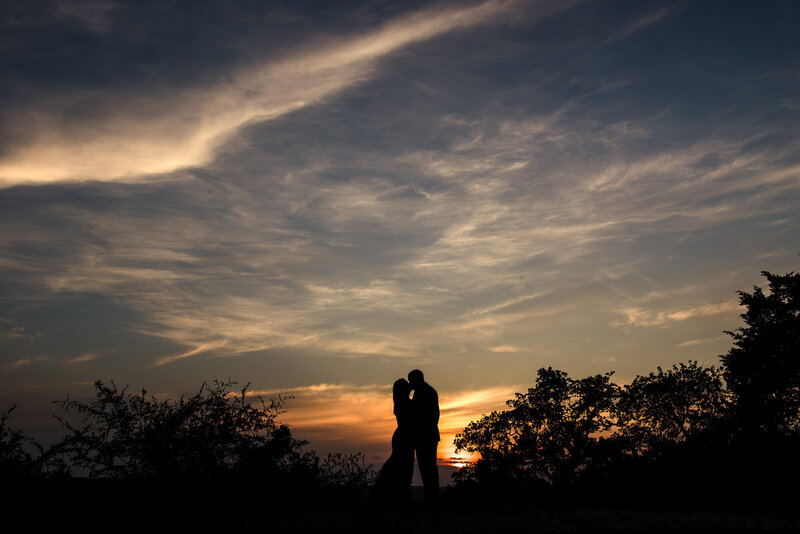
336, 417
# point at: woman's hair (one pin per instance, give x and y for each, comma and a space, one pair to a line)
400, 390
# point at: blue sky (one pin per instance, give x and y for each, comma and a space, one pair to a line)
317, 197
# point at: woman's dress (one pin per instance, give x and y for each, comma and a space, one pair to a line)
393, 485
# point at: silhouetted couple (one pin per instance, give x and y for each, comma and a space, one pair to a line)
416, 408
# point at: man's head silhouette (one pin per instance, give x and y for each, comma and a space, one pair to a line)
416, 378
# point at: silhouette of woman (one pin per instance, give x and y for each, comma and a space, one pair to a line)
393, 485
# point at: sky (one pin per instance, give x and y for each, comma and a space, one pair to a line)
317, 197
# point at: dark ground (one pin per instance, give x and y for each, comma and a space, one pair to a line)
144, 507
536, 521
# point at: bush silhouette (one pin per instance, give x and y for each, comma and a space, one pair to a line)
15, 461
350, 471
212, 433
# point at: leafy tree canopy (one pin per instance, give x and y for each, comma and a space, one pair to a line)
669, 406
548, 433
762, 369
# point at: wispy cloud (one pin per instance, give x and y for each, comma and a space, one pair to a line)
320, 389
92, 14
22, 362
89, 356
484, 252
161, 133
203, 347
641, 23
649, 317
17, 333
504, 348
703, 341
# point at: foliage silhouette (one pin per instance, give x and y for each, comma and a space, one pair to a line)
689, 434
15, 460
345, 472
210, 434
548, 436
762, 370
219, 456
668, 407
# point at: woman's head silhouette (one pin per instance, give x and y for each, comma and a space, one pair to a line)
400, 390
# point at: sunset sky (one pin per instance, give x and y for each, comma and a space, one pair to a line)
317, 197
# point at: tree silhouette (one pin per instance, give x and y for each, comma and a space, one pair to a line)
762, 370
679, 435
549, 434
668, 407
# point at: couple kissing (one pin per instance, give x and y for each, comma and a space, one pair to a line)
416, 408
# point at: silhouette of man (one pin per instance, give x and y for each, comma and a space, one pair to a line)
425, 432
